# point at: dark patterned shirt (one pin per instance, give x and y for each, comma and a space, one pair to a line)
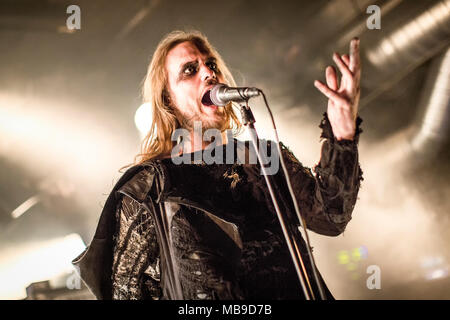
238, 251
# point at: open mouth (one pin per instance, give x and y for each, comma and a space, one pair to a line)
206, 99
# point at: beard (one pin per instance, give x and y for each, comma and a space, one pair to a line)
219, 121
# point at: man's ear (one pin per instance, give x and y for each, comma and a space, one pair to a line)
166, 98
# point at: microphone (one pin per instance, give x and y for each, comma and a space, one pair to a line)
221, 94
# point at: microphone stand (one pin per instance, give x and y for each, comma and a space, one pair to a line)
291, 241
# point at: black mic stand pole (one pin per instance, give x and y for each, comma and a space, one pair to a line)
249, 120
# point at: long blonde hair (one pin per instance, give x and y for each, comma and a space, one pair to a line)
157, 143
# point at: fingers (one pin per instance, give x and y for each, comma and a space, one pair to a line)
330, 94
346, 59
331, 77
342, 66
355, 63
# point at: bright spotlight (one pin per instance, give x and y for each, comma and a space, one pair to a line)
25, 206
143, 118
21, 265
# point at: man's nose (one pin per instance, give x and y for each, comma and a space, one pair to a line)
207, 73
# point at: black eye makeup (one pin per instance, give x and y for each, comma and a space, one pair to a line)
191, 68
211, 64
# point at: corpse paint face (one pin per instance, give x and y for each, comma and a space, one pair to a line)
190, 74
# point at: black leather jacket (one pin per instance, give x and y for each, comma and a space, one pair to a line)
210, 231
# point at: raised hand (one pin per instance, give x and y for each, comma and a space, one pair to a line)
343, 97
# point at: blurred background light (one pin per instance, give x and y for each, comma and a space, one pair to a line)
143, 118
20, 210
32, 262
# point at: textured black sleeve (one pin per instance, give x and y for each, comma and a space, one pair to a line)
326, 199
136, 273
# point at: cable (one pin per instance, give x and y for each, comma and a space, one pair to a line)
294, 199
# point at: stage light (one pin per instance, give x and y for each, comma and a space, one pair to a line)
143, 118
351, 259
25, 206
343, 257
47, 138
437, 274
24, 264
435, 267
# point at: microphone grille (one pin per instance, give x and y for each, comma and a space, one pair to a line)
215, 95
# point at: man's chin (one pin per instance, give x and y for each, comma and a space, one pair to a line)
216, 122
213, 117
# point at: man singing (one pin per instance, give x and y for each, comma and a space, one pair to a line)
197, 230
